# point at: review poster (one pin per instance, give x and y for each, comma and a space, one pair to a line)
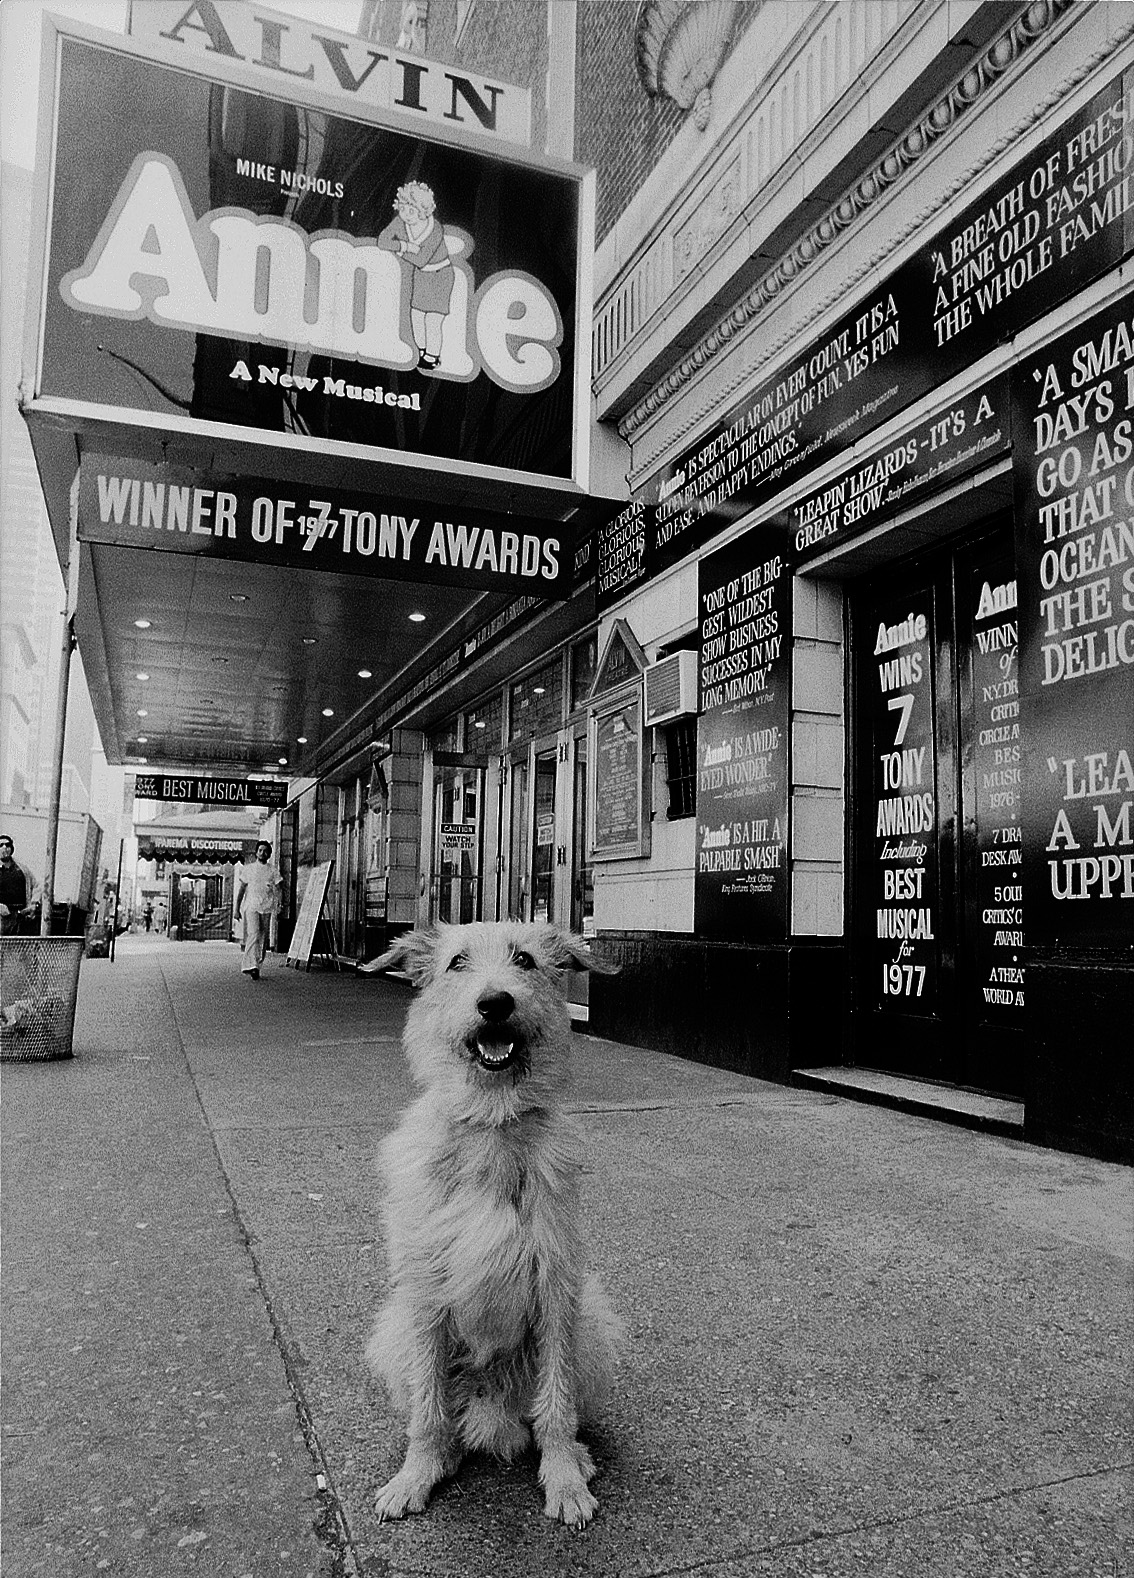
1073, 463
743, 740
904, 873
997, 794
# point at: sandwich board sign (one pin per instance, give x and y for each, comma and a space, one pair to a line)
307, 921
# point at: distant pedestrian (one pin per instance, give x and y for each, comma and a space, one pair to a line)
17, 891
257, 900
148, 915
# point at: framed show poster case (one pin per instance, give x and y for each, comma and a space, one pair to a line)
619, 814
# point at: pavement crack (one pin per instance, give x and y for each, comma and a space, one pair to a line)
702, 1105
866, 1525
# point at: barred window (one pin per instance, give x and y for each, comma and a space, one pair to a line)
537, 703
483, 724
681, 767
446, 735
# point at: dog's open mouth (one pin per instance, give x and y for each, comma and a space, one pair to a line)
496, 1047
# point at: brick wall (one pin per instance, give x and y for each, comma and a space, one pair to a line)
404, 774
619, 128
510, 40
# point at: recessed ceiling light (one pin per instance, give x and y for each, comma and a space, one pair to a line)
301, 739
328, 712
417, 619
364, 673
283, 761
142, 713
479, 724
142, 624
238, 597
141, 676
309, 641
539, 690
143, 739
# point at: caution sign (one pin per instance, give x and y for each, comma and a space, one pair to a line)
458, 838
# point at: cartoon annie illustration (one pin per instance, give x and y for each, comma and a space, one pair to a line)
418, 238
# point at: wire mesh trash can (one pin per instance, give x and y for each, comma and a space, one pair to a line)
39, 982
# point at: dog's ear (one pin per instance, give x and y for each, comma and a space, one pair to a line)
569, 951
412, 952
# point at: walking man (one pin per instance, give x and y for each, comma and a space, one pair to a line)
17, 891
257, 899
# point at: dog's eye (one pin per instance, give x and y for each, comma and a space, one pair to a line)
522, 960
457, 962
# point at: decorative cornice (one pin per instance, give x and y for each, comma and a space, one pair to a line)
1003, 54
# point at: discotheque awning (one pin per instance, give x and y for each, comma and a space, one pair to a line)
208, 839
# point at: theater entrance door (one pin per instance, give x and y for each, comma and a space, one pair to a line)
936, 902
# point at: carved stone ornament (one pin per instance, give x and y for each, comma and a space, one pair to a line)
679, 46
415, 21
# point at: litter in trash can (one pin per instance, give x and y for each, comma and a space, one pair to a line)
39, 982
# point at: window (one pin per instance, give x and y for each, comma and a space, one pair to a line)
584, 657
681, 768
537, 703
446, 737
483, 724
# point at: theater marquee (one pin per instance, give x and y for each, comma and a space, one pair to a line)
248, 252
173, 509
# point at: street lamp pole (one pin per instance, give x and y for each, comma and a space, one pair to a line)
67, 647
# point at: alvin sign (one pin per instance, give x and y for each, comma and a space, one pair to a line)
224, 256
287, 50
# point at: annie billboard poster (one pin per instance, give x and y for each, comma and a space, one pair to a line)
226, 256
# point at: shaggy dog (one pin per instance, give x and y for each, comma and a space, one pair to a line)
492, 1335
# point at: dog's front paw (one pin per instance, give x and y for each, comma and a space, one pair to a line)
564, 1477
408, 1491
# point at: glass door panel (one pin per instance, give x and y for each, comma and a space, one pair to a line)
457, 844
582, 873
518, 841
543, 845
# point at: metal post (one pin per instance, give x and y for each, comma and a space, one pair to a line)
117, 900
48, 901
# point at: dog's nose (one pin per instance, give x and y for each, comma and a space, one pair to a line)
496, 1005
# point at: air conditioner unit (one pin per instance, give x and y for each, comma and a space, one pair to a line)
671, 688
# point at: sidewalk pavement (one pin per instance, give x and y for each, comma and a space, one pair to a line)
863, 1345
